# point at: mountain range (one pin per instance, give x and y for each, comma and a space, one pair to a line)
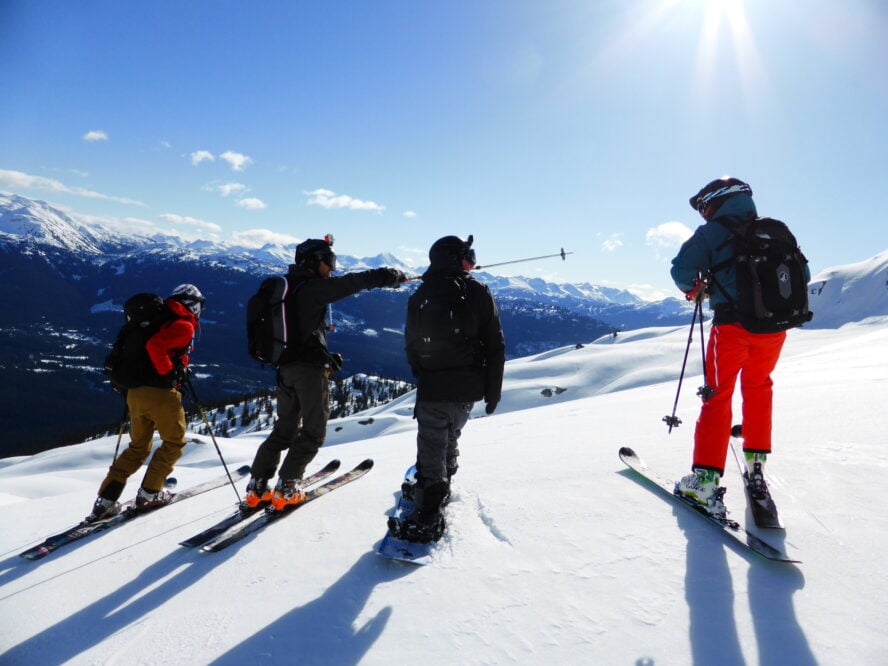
66, 280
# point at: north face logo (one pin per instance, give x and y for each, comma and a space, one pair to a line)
783, 278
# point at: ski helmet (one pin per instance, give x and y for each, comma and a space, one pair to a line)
314, 250
717, 191
189, 296
451, 250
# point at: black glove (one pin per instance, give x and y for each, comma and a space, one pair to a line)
336, 362
392, 277
182, 374
490, 407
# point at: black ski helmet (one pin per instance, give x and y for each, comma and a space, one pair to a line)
451, 250
314, 250
717, 191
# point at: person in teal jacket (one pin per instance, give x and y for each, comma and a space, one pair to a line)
732, 351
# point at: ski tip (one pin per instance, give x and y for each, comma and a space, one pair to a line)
626, 452
366, 464
243, 470
737, 430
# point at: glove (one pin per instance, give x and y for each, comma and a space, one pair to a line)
182, 374
336, 362
490, 406
699, 292
392, 277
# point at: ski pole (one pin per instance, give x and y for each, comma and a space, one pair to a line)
121, 429
561, 254
206, 421
706, 391
673, 421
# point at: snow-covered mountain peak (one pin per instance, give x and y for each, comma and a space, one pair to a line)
37, 221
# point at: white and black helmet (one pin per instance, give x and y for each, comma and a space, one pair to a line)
189, 296
717, 191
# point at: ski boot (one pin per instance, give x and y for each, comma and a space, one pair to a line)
755, 475
287, 492
702, 486
150, 499
102, 509
257, 493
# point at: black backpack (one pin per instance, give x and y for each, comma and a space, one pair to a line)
268, 321
128, 364
444, 325
771, 285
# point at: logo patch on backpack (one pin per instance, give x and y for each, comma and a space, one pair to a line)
128, 365
770, 268
444, 325
267, 325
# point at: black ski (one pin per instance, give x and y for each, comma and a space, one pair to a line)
730, 527
129, 512
245, 512
259, 520
761, 505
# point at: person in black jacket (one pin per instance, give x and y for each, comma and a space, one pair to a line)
303, 370
454, 366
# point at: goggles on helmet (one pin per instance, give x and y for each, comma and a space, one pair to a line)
700, 201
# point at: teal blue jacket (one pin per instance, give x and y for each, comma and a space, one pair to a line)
708, 248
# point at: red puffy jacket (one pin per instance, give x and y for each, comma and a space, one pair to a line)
173, 340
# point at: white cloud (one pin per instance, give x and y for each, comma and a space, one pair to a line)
165, 144
237, 161
256, 238
19, 180
612, 243
199, 156
328, 199
668, 235
252, 204
226, 189
95, 135
410, 213
203, 225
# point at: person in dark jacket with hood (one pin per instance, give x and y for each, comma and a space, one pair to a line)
155, 405
303, 370
732, 350
452, 373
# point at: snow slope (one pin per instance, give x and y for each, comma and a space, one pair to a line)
554, 553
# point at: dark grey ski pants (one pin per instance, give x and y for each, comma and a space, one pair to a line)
440, 425
301, 427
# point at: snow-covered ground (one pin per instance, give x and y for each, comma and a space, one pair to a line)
554, 552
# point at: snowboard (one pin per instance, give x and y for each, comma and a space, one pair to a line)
398, 549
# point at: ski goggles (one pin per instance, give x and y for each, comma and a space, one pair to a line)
699, 202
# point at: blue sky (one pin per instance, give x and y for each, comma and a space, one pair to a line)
534, 125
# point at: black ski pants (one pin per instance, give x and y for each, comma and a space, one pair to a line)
301, 427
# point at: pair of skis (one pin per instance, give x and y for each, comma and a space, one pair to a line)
764, 513
128, 512
221, 535
245, 522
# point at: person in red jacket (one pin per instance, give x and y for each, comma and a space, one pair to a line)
155, 405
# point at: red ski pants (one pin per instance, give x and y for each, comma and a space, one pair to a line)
733, 351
